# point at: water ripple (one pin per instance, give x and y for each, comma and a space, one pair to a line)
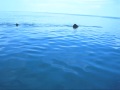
51, 56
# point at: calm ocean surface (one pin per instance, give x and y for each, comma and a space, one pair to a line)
45, 52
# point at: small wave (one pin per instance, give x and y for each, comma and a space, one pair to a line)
32, 25
44, 25
7, 24
111, 17
41, 25
90, 15
90, 26
20, 24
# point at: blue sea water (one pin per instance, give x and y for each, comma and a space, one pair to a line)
45, 52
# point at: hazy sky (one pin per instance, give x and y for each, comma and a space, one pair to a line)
107, 7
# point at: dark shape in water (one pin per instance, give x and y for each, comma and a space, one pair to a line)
75, 26
17, 24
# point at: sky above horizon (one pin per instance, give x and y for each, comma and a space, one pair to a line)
94, 7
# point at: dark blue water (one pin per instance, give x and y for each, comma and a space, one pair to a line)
45, 52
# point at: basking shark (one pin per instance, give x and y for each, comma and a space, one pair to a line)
75, 26
17, 24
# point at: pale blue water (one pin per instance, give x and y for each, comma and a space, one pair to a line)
45, 52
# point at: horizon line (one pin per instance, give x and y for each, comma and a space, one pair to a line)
102, 16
